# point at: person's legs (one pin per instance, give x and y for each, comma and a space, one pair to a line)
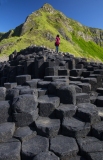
57, 49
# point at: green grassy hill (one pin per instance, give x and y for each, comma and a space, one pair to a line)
42, 26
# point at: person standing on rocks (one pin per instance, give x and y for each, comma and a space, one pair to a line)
57, 43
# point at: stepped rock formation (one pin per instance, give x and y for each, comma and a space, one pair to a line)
51, 106
41, 27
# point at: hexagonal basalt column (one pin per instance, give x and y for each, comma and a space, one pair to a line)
47, 127
64, 147
75, 128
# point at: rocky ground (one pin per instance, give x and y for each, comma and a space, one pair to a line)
51, 107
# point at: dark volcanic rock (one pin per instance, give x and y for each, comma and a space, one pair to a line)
34, 146
89, 145
11, 94
2, 93
47, 127
47, 105
5, 111
67, 94
22, 79
97, 130
25, 110
64, 147
6, 131
10, 151
46, 156
29, 91
65, 110
10, 85
88, 112
32, 83
82, 98
24, 133
77, 158
73, 127
46, 94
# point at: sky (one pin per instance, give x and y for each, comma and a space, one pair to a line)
87, 12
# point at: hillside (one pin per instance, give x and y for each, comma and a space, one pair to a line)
43, 25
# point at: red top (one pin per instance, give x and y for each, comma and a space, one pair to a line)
57, 41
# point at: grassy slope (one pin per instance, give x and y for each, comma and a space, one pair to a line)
45, 22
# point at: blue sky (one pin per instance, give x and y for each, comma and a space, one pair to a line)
87, 12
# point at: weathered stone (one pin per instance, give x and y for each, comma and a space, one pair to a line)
2, 93
67, 94
63, 72
62, 80
10, 85
76, 72
53, 86
89, 145
97, 130
95, 156
5, 111
52, 78
43, 84
77, 158
99, 101
88, 113
42, 91
22, 79
100, 90
47, 127
25, 118
24, 103
75, 78
25, 110
46, 156
78, 89
32, 83
10, 151
34, 146
6, 131
11, 94
65, 110
86, 87
47, 105
86, 74
73, 127
29, 91
51, 71
24, 133
82, 98
100, 112
91, 81
64, 147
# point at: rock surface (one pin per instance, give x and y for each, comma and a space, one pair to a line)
50, 106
